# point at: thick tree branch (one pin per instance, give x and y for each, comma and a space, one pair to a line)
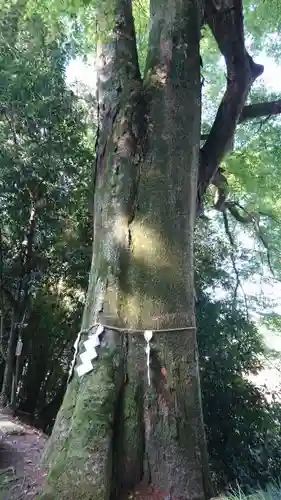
118, 82
118, 68
118, 72
220, 181
227, 27
258, 110
232, 207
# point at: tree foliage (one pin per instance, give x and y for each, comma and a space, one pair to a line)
46, 158
44, 179
243, 430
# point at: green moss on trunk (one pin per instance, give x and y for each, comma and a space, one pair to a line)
141, 274
80, 450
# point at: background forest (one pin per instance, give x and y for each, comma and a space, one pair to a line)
47, 137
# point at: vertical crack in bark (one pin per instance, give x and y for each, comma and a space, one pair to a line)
119, 87
118, 431
132, 452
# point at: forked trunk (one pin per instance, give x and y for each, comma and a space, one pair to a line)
114, 429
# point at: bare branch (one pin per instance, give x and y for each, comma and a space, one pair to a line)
118, 75
222, 205
254, 220
269, 216
232, 256
233, 209
220, 181
258, 110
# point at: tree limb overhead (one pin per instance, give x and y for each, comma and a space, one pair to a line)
258, 110
228, 30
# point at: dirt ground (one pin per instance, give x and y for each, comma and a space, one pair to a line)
147, 493
21, 447
21, 477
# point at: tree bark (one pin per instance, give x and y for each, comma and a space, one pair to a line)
113, 429
226, 23
260, 109
9, 367
228, 29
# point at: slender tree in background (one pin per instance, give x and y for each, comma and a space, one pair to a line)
44, 163
112, 428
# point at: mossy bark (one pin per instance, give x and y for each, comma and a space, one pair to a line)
113, 429
80, 450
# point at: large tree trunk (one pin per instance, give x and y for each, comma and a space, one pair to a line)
113, 429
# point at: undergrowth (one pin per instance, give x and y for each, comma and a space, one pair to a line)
7, 476
271, 492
